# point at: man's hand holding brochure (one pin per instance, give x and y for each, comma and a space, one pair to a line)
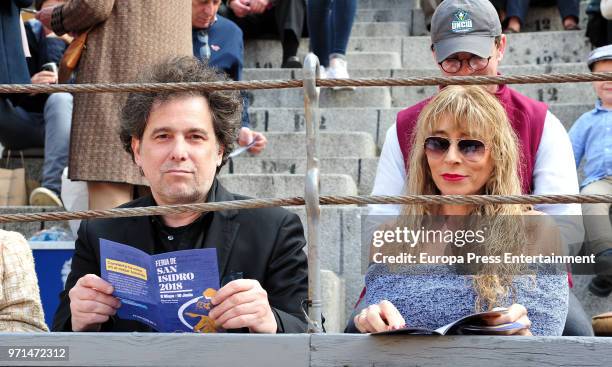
171, 292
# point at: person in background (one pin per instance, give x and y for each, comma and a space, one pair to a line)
20, 307
516, 13
218, 41
41, 120
591, 137
124, 37
285, 18
329, 27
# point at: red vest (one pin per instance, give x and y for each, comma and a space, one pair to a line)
526, 117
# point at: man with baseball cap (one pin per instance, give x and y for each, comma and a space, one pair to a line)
467, 40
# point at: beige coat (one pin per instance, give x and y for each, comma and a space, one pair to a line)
20, 307
129, 35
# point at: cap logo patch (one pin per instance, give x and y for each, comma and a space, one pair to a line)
461, 22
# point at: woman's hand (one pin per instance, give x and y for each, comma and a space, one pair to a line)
515, 313
380, 317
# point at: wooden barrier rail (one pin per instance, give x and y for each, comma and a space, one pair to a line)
151, 349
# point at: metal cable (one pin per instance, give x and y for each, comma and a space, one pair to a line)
298, 201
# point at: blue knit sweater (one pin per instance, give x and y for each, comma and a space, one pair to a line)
439, 296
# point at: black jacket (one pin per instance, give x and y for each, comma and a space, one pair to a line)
263, 244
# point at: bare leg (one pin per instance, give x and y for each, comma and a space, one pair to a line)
107, 195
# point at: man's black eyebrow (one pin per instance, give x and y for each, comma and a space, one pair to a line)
198, 130
168, 129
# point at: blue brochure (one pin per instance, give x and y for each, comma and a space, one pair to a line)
171, 292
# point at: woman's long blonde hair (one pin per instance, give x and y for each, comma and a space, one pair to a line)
477, 113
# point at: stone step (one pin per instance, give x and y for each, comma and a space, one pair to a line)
374, 60
355, 72
398, 5
361, 170
268, 53
380, 29
574, 93
369, 120
522, 48
293, 145
285, 185
361, 97
538, 19
331, 119
383, 15
387, 43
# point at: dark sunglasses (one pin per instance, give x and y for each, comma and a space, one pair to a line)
471, 149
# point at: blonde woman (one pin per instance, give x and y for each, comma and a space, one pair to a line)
20, 307
463, 145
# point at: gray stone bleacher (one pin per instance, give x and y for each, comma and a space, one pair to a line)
353, 124
280, 185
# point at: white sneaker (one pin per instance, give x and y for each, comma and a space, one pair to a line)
322, 72
338, 70
42, 196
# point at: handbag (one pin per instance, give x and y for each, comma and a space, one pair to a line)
71, 57
13, 185
606, 9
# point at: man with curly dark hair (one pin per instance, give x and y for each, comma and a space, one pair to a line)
180, 140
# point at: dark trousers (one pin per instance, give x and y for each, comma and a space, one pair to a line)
519, 8
286, 15
329, 24
21, 129
599, 30
577, 322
